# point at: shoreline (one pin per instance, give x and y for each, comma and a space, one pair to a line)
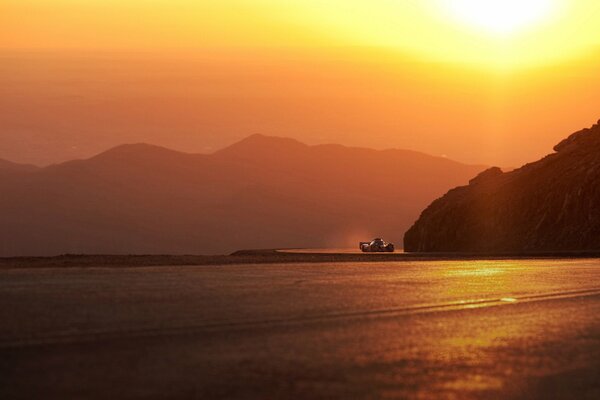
267, 256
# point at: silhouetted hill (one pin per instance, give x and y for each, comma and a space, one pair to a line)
549, 205
258, 145
262, 192
11, 166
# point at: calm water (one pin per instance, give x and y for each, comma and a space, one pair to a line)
457, 329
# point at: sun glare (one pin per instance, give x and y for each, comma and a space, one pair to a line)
500, 17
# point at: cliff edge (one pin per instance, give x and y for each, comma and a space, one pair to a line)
550, 205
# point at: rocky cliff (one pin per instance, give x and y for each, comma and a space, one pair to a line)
549, 205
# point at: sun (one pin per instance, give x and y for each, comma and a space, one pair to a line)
500, 17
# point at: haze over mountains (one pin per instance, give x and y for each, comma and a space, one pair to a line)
549, 205
62, 105
262, 192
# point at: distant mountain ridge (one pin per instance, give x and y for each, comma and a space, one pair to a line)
11, 166
549, 205
262, 192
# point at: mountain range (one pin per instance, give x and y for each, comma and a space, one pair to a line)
262, 192
14, 167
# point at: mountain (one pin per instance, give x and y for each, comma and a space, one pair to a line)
14, 167
262, 192
549, 205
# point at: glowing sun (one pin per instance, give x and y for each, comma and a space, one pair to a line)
501, 17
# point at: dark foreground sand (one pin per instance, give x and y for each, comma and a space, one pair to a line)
470, 329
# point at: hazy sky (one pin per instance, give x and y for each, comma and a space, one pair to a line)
495, 82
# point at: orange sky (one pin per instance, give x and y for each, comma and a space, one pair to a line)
499, 84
